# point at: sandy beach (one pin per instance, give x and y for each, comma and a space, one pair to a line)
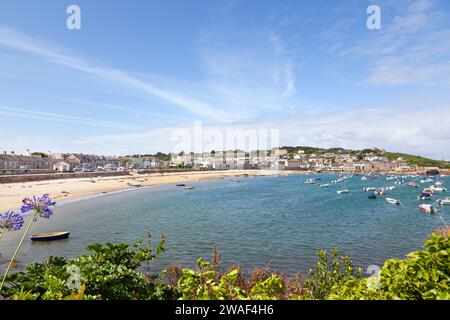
63, 190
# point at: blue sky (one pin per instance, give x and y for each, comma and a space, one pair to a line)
139, 70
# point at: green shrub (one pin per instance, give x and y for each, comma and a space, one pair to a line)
207, 283
108, 272
330, 271
424, 274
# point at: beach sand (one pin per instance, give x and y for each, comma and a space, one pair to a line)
11, 195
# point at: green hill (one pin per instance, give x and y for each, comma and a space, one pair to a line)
417, 160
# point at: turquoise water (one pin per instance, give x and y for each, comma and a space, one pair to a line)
261, 221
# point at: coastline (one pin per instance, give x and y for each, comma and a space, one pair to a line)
69, 190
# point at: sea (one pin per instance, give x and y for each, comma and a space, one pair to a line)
274, 222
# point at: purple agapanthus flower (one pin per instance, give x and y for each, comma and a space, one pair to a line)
11, 221
40, 205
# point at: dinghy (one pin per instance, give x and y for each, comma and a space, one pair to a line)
438, 188
51, 236
343, 191
393, 201
443, 202
135, 185
424, 196
427, 208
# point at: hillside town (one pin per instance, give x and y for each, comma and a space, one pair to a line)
278, 158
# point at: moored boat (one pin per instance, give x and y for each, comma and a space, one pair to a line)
435, 188
443, 202
369, 189
325, 185
181, 184
372, 195
188, 187
343, 191
51, 236
427, 208
412, 184
393, 201
424, 196
310, 181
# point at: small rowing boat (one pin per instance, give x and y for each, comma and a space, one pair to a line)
343, 191
188, 187
427, 208
309, 181
393, 201
135, 185
326, 185
181, 184
50, 236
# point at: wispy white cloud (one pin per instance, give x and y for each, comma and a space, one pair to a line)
283, 68
10, 112
11, 38
410, 130
412, 48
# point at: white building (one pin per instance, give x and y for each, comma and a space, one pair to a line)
61, 166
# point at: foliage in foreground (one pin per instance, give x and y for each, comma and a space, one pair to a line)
110, 272
424, 274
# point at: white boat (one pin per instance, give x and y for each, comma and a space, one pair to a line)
310, 181
393, 201
369, 189
390, 188
427, 208
363, 178
427, 180
188, 187
435, 188
343, 191
443, 202
137, 185
438, 183
325, 185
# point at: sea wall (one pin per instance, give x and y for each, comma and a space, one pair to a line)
55, 176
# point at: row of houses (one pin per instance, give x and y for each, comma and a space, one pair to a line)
56, 162
24, 162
